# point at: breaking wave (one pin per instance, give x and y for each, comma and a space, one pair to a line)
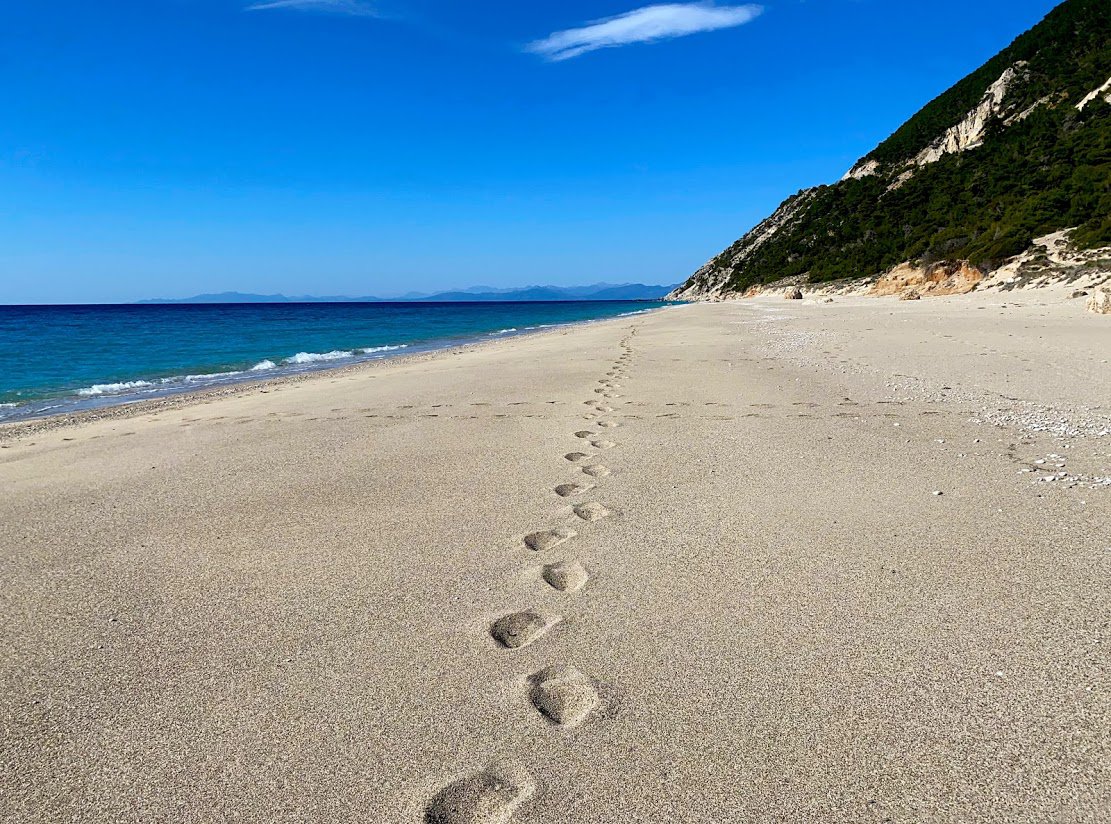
374, 349
112, 388
319, 357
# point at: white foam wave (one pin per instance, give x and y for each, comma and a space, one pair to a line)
207, 376
317, 357
112, 388
371, 350
504, 331
262, 366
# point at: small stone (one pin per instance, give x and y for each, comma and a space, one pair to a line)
1100, 302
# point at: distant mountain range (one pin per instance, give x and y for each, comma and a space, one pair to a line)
475, 294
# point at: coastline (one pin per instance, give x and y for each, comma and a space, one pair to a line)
816, 572
177, 398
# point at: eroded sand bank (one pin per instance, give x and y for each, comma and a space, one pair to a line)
689, 566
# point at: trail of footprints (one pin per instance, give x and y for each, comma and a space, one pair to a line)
563, 695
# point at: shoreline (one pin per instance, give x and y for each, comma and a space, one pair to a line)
763, 552
176, 399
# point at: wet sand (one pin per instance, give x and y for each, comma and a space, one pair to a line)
689, 566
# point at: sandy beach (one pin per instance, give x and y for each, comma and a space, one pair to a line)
762, 561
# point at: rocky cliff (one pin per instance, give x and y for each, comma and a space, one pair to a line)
1019, 149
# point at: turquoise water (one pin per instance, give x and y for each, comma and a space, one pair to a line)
60, 358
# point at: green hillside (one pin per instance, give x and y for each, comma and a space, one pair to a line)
1043, 165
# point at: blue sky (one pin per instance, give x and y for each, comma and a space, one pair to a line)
171, 147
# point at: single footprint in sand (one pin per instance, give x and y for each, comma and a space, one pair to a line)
596, 470
520, 629
608, 424
585, 433
488, 797
564, 695
548, 539
566, 576
568, 490
601, 390
603, 408
592, 511
603, 444
575, 457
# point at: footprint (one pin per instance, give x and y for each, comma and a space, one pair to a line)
596, 470
564, 695
585, 433
603, 409
602, 444
608, 424
566, 576
568, 490
601, 391
592, 511
575, 457
519, 629
548, 539
488, 797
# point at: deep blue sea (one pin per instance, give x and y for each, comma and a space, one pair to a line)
61, 358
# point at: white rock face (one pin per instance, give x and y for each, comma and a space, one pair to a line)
1104, 90
968, 134
862, 169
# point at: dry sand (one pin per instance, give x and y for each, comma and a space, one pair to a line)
286, 606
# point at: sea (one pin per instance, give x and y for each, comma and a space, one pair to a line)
59, 359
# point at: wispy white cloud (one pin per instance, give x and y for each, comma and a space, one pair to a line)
353, 7
643, 25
